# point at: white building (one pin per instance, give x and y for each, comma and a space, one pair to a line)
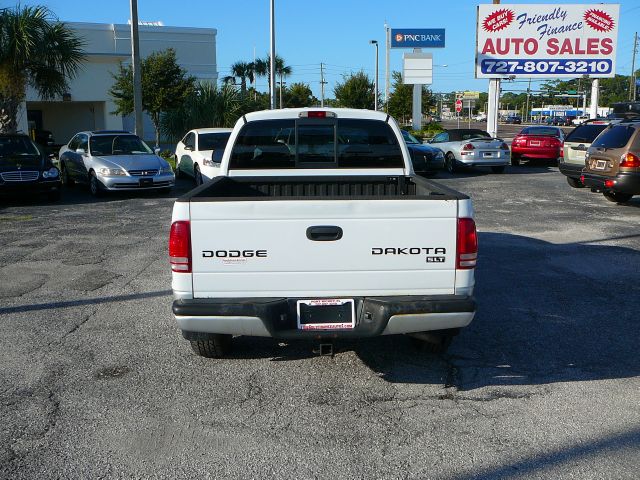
87, 104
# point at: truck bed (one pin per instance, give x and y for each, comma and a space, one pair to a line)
326, 188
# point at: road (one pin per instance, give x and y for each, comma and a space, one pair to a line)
96, 381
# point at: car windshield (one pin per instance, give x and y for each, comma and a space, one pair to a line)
18, 146
409, 138
553, 132
104, 145
466, 134
341, 143
585, 133
615, 137
213, 141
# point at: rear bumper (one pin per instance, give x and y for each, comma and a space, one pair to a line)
573, 170
277, 317
535, 152
623, 182
477, 159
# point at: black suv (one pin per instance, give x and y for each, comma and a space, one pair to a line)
24, 168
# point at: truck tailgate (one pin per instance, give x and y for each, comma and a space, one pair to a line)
261, 249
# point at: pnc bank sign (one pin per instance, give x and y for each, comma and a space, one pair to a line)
417, 38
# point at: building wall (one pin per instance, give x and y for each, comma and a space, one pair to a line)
106, 45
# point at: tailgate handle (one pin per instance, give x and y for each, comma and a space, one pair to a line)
324, 233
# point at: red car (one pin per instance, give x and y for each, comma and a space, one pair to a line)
536, 143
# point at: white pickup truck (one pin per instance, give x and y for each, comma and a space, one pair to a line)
318, 229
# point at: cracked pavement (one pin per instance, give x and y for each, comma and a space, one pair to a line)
96, 381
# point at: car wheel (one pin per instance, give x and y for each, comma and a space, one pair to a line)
515, 161
497, 169
575, 182
178, 172
197, 176
617, 197
94, 185
450, 163
66, 179
432, 342
215, 346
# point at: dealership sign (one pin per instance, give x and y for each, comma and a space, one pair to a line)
546, 40
417, 38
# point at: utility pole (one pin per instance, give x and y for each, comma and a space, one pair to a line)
281, 90
137, 74
322, 83
632, 80
272, 63
387, 85
375, 83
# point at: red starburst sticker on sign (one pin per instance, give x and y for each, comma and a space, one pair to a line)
498, 20
599, 20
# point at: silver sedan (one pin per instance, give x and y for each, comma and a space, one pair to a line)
113, 161
468, 147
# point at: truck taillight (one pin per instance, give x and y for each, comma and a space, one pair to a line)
467, 244
180, 247
629, 160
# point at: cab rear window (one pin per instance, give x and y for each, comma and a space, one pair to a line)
616, 136
585, 133
330, 143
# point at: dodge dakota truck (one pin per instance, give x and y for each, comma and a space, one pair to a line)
318, 228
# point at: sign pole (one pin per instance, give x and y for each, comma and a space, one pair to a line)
417, 102
386, 70
137, 75
595, 94
272, 63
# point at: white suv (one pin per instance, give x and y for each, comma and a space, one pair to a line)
199, 153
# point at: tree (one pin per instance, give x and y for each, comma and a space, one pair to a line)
165, 86
35, 50
299, 95
400, 104
355, 91
262, 68
206, 106
244, 71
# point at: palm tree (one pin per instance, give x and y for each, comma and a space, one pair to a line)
244, 71
35, 50
262, 68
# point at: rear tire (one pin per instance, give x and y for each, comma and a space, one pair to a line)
575, 182
617, 197
216, 346
450, 163
497, 169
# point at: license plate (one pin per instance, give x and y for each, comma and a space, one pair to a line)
145, 182
534, 143
487, 154
601, 164
326, 314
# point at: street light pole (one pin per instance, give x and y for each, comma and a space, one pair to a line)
137, 76
375, 83
272, 63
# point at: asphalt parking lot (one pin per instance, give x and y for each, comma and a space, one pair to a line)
97, 382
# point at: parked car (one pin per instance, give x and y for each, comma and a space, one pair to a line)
580, 120
536, 143
25, 168
426, 160
575, 148
199, 153
467, 147
327, 238
113, 160
513, 119
612, 163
